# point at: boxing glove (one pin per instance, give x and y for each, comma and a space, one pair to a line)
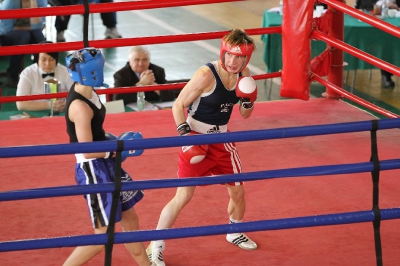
110, 136
130, 136
246, 89
194, 153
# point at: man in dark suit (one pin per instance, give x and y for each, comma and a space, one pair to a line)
138, 71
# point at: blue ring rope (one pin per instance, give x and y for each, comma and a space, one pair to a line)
176, 182
139, 236
147, 235
167, 142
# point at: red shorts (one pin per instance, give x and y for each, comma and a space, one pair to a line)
220, 159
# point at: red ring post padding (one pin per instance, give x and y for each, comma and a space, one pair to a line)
296, 48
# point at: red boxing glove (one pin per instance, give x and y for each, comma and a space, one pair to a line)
194, 153
246, 88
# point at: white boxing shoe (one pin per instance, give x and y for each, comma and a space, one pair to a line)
242, 241
154, 253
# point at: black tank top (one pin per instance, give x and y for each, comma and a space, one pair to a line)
97, 120
215, 107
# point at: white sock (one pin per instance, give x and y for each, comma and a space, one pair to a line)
233, 221
157, 243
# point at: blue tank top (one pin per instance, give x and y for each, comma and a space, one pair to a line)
214, 107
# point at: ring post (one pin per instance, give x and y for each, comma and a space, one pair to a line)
335, 76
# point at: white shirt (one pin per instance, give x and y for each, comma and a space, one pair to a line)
31, 81
380, 2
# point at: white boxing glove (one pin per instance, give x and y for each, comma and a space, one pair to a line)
246, 90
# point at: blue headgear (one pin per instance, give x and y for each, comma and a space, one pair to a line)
86, 67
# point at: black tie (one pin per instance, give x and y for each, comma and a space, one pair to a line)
48, 74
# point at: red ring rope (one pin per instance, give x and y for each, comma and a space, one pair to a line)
102, 8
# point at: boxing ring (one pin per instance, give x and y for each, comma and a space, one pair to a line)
350, 135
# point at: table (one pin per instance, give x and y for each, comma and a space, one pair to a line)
5, 114
10, 109
356, 33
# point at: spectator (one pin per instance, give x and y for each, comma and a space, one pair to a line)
109, 19
19, 32
138, 71
364, 4
369, 4
394, 4
386, 79
32, 80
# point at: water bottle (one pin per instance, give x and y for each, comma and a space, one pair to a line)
140, 101
385, 9
281, 7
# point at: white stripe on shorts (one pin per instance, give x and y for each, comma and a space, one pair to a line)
98, 195
236, 163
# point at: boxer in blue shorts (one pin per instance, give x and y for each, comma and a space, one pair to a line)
211, 95
98, 171
84, 117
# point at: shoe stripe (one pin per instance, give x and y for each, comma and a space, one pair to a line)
150, 255
241, 239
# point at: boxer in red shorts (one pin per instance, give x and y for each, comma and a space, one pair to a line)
211, 95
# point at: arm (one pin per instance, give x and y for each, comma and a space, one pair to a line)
122, 78
33, 105
391, 4
81, 114
146, 78
245, 112
58, 105
36, 22
7, 25
202, 81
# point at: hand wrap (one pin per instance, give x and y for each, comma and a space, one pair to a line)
184, 129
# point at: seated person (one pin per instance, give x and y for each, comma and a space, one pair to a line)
32, 80
392, 4
20, 32
369, 4
138, 71
364, 4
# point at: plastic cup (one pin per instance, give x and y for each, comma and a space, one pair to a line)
392, 13
52, 86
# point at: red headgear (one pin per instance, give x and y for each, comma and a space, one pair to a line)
239, 50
